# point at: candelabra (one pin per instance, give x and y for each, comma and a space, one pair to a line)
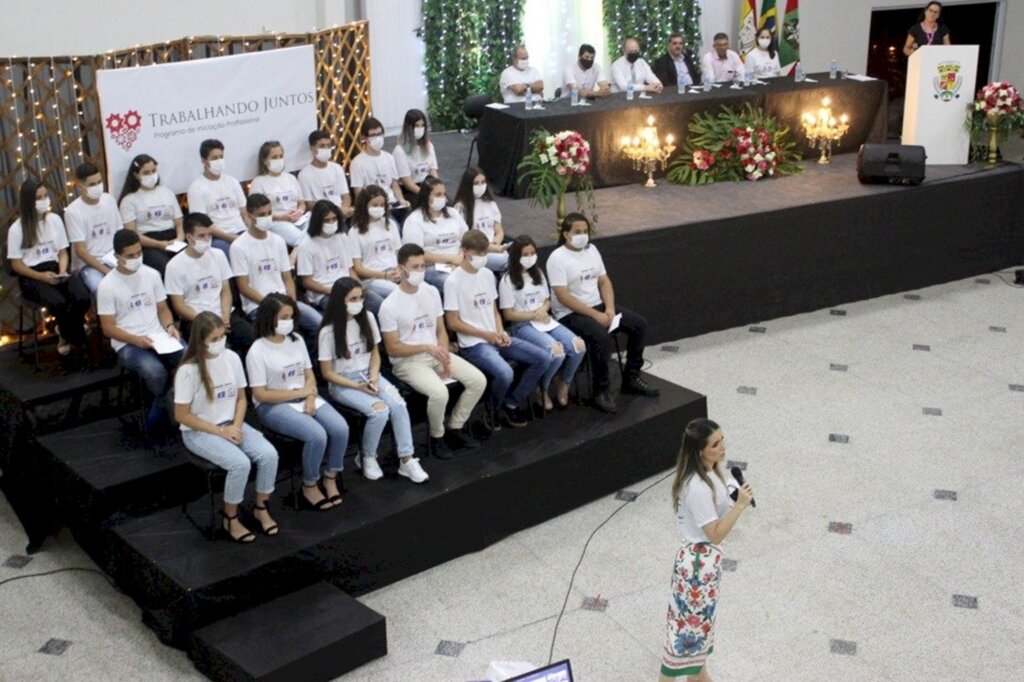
824, 131
646, 151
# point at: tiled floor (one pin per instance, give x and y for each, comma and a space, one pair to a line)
885, 444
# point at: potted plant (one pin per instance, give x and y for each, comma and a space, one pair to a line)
558, 163
996, 112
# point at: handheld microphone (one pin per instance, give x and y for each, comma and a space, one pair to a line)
737, 473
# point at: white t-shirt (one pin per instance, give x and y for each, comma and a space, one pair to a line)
413, 316
152, 210
697, 508
261, 260
325, 259
485, 214
762, 64
323, 183
278, 366
577, 270
50, 239
441, 237
361, 352
583, 80
228, 379
132, 300
416, 164
377, 170
639, 72
198, 280
221, 199
525, 300
93, 224
283, 191
378, 247
513, 76
473, 296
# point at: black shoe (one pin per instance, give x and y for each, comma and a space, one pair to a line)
437, 448
604, 402
461, 438
638, 385
490, 420
514, 417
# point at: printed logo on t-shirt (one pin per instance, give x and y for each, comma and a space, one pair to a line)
330, 191
283, 199
99, 230
533, 300
224, 204
481, 300
422, 323
588, 274
485, 224
266, 265
141, 300
382, 180
154, 213
358, 348
383, 247
224, 392
44, 249
291, 372
443, 241
333, 264
208, 283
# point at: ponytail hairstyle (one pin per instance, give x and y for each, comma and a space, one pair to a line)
204, 324
30, 217
361, 214
261, 157
515, 266
131, 183
695, 438
337, 316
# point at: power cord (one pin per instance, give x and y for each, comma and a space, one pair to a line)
61, 570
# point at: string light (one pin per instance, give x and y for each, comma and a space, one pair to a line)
17, 119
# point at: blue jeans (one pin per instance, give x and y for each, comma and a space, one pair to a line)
497, 262
394, 410
491, 360
224, 245
324, 432
155, 370
568, 362
436, 278
237, 460
288, 232
90, 278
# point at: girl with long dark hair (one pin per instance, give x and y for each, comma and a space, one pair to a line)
375, 240
480, 211
152, 211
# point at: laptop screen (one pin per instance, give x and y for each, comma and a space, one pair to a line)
556, 672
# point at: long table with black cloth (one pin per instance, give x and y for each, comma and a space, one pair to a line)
504, 134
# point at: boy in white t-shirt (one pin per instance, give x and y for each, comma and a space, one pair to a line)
91, 220
470, 299
218, 195
323, 178
374, 166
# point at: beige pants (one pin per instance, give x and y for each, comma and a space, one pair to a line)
421, 372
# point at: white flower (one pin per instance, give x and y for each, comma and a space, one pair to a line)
543, 158
549, 140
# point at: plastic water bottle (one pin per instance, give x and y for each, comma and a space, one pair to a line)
681, 87
574, 97
529, 99
707, 80
800, 75
748, 75
629, 90
833, 69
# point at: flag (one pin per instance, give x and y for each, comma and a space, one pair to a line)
768, 15
789, 36
748, 26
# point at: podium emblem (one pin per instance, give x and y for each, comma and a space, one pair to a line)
948, 81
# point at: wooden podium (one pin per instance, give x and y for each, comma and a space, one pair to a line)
940, 85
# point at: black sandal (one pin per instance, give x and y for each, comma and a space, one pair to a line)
335, 500
244, 539
273, 529
322, 505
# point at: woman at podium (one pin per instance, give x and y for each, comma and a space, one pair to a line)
927, 30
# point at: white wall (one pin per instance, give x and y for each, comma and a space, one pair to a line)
396, 58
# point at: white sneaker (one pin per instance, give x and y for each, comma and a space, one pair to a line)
412, 470
371, 470
63, 347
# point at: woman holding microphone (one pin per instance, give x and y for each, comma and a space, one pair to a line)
705, 515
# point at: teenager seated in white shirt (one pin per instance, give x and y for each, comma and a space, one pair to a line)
92, 219
323, 178
374, 166
520, 78
375, 239
199, 280
277, 184
37, 248
438, 229
132, 305
412, 324
584, 301
210, 406
150, 210
326, 256
350, 364
471, 312
478, 208
414, 154
218, 195
260, 263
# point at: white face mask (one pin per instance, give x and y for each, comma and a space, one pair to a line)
438, 203
329, 229
479, 190
217, 166
478, 261
324, 155
376, 142
418, 132
415, 277
42, 205
284, 327
375, 212
201, 245
528, 261
579, 241
132, 264
149, 181
524, 64
275, 165
94, 192
764, 42
217, 347
263, 222
354, 308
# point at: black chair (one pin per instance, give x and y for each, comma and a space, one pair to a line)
473, 109
35, 314
586, 366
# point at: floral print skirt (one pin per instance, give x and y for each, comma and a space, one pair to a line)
691, 611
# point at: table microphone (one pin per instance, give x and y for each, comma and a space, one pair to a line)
737, 473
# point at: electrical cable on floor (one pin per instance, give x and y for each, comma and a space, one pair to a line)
61, 570
1008, 283
554, 635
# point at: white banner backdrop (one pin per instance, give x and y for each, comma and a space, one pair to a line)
167, 110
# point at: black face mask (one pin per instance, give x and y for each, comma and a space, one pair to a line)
585, 64
631, 57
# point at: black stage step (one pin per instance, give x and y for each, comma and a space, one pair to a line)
317, 633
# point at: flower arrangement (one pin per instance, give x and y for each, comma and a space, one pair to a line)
996, 112
556, 164
734, 145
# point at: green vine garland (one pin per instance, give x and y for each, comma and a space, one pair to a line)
651, 22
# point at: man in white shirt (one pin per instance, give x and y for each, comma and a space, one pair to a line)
323, 178
412, 325
132, 306
471, 312
723, 64
198, 279
91, 220
218, 195
585, 75
519, 78
632, 68
374, 166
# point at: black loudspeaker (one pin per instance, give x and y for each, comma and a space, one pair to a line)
890, 164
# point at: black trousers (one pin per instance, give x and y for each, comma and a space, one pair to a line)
68, 300
599, 342
159, 258
240, 336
